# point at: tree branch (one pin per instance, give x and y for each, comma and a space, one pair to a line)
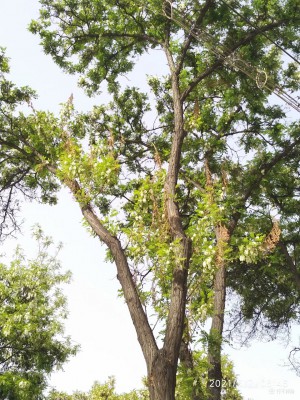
175, 320
189, 38
138, 316
218, 63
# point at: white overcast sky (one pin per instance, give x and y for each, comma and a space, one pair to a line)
99, 320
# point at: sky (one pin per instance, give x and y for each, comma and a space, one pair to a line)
98, 319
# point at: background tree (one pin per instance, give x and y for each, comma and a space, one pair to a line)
177, 203
32, 337
100, 391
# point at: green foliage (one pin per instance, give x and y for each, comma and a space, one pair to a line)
105, 391
4, 63
193, 382
100, 391
113, 56
32, 337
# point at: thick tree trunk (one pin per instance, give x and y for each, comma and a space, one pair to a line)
162, 378
214, 384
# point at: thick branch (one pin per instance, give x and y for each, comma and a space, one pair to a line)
138, 316
12, 145
199, 78
175, 321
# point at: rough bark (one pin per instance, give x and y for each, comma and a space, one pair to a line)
160, 364
162, 377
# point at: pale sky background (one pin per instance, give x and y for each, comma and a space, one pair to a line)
99, 321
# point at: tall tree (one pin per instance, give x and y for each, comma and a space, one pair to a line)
32, 340
176, 203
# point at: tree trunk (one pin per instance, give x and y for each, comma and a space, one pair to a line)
162, 378
214, 384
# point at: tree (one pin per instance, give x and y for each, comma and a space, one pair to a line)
31, 336
179, 203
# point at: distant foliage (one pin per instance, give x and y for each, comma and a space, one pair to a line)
32, 311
